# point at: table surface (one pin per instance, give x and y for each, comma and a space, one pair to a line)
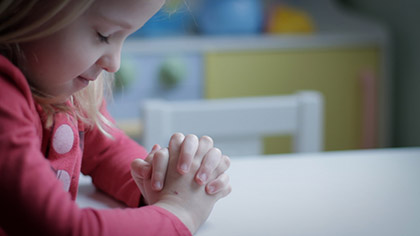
364, 192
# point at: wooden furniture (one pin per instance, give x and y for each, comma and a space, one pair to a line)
347, 59
238, 125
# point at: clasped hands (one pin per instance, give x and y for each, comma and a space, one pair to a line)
186, 178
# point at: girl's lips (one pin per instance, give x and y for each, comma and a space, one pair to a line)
87, 78
84, 81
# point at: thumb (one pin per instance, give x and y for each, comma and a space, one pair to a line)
141, 169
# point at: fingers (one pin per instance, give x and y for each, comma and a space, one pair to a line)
220, 186
175, 145
160, 166
222, 167
215, 185
205, 144
143, 168
137, 170
187, 153
209, 163
149, 157
140, 169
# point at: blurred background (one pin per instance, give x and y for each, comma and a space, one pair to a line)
363, 56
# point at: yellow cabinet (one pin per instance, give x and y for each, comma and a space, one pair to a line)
335, 64
335, 71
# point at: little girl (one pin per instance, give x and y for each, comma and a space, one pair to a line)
55, 58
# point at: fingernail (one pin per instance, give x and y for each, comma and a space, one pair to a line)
184, 167
158, 185
210, 189
203, 177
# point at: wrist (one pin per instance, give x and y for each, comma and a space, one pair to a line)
180, 212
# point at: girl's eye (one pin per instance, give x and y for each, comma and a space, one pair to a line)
102, 38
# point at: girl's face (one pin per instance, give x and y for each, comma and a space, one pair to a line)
66, 61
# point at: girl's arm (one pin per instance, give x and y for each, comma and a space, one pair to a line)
108, 161
32, 200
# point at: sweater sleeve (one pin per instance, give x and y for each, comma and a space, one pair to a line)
107, 161
33, 201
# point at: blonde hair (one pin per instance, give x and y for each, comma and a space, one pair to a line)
26, 20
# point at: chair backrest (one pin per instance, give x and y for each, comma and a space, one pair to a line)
237, 125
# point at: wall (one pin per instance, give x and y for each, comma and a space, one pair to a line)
403, 18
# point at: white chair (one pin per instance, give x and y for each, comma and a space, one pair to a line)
237, 125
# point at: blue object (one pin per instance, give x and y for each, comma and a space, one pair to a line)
165, 23
230, 16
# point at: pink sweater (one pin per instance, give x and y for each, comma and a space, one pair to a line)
39, 171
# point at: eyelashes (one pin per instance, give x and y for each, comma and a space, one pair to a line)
102, 38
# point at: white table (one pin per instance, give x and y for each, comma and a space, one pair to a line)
369, 192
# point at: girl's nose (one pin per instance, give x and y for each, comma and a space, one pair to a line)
111, 61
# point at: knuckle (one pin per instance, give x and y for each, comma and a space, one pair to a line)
229, 190
177, 137
207, 139
195, 165
207, 167
160, 154
160, 158
216, 151
192, 138
226, 160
